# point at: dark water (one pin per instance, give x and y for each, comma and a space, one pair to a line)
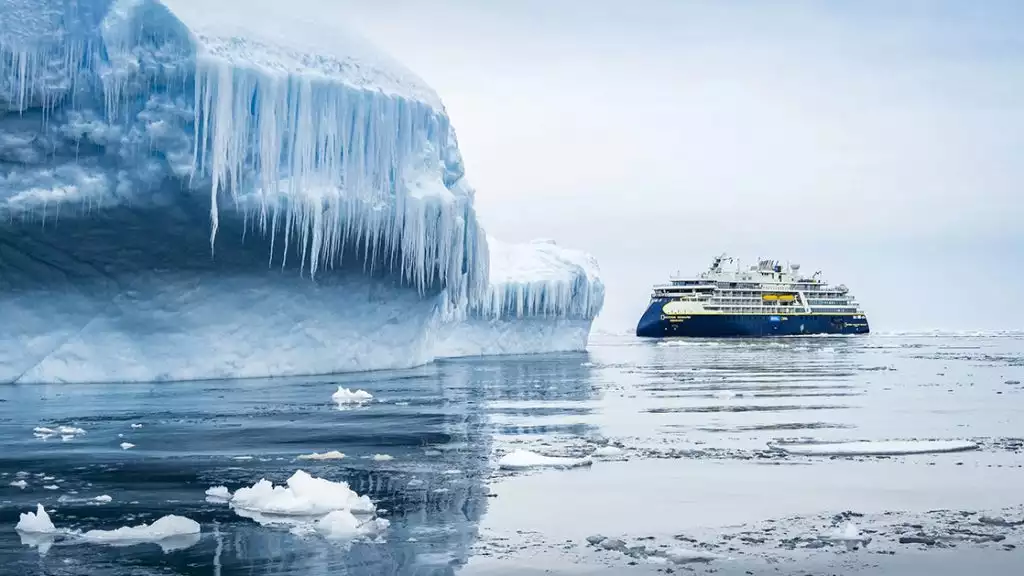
696, 420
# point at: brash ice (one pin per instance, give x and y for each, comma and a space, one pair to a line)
242, 189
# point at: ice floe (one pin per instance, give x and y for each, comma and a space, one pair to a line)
303, 495
382, 457
331, 455
345, 397
524, 459
607, 452
170, 533
127, 445
876, 448
19, 484
37, 522
307, 504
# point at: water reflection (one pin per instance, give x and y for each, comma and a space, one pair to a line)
434, 421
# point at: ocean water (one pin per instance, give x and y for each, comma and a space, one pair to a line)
705, 477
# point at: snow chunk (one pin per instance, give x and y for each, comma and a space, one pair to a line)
136, 426
522, 459
332, 455
127, 445
19, 484
37, 522
344, 396
304, 495
382, 457
877, 448
103, 499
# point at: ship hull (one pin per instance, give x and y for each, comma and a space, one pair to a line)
656, 324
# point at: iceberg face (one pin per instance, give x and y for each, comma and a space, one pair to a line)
187, 194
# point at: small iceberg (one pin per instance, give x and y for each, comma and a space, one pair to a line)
19, 484
876, 448
37, 522
218, 494
303, 495
332, 455
382, 457
523, 459
170, 533
345, 397
343, 525
103, 499
127, 445
850, 535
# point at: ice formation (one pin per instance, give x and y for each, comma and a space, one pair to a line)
242, 189
37, 522
524, 459
877, 448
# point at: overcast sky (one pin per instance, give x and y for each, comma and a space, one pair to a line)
880, 142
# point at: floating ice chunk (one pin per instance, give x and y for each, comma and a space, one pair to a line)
19, 484
382, 457
71, 430
136, 425
607, 452
43, 432
218, 493
51, 487
850, 535
343, 525
127, 445
304, 495
876, 448
37, 522
346, 397
686, 556
332, 455
170, 532
104, 499
521, 459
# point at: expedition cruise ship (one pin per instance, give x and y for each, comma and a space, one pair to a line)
764, 300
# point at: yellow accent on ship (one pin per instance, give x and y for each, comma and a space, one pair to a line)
778, 297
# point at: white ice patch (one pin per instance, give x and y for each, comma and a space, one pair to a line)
19, 484
382, 457
65, 432
346, 397
524, 459
687, 556
876, 448
343, 525
331, 455
37, 522
127, 445
607, 452
170, 533
103, 499
309, 505
304, 495
218, 494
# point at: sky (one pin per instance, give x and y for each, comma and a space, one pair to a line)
879, 142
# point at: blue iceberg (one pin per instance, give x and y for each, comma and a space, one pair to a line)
193, 190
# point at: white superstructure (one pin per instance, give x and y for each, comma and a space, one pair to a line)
767, 288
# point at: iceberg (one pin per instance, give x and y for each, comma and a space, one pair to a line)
197, 191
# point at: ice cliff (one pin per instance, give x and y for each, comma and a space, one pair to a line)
194, 189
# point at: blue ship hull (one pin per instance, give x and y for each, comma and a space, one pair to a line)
656, 324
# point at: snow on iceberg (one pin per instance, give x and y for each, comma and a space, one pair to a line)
242, 189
